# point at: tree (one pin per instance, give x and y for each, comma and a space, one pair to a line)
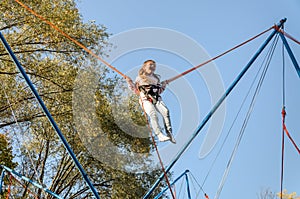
6, 155
285, 195
53, 62
6, 158
267, 194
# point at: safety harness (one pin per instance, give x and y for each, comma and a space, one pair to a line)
151, 92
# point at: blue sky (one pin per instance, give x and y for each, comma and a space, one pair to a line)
217, 26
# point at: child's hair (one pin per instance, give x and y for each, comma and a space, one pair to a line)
142, 71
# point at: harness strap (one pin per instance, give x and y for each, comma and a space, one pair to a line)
151, 92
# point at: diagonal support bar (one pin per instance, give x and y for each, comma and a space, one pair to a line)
165, 189
288, 49
1, 180
31, 182
48, 115
213, 110
188, 187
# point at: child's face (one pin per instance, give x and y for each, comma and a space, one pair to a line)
150, 68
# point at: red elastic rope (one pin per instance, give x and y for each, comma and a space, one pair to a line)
286, 34
156, 149
30, 192
10, 183
214, 58
283, 113
70, 38
290, 137
206, 196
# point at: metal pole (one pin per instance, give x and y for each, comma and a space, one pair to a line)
215, 107
30, 181
48, 115
288, 49
1, 180
188, 186
165, 189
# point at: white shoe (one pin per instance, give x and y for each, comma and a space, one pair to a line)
172, 139
162, 138
170, 135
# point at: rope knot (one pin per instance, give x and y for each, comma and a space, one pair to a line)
283, 113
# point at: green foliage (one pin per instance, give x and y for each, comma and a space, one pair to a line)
6, 159
6, 155
267, 194
53, 63
286, 195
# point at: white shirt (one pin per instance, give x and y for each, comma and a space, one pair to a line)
151, 80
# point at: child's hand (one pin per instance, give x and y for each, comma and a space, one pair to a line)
164, 84
128, 80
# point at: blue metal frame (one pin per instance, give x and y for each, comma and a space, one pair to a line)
30, 181
187, 181
188, 186
215, 107
48, 115
288, 49
1, 180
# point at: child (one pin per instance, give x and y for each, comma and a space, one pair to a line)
147, 85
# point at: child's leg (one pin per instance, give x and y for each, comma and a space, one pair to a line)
164, 111
151, 112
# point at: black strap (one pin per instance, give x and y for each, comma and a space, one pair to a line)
151, 92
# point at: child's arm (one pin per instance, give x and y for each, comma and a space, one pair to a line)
163, 86
131, 85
